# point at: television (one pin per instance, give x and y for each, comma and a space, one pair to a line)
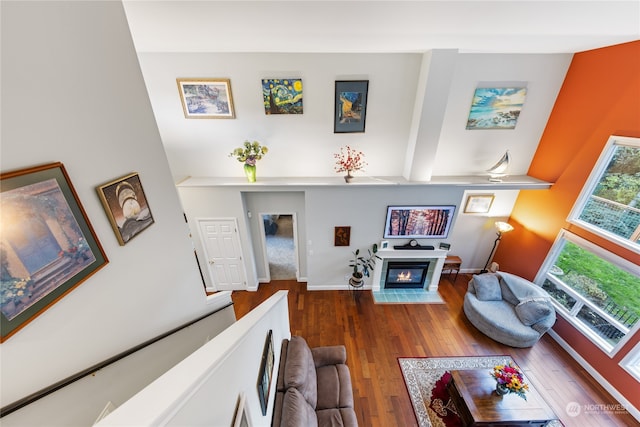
418, 222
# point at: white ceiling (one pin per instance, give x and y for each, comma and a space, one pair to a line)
501, 26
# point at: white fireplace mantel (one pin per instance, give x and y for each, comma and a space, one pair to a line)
433, 276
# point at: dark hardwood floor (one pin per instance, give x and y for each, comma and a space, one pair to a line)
375, 335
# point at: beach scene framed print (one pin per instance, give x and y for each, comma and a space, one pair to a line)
496, 107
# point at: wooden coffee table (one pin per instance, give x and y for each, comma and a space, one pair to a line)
473, 392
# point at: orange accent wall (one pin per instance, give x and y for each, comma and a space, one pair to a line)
600, 97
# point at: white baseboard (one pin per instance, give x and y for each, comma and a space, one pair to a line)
334, 287
635, 413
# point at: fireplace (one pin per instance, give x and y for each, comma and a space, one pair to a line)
406, 274
433, 257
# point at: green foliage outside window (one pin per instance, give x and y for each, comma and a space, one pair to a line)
614, 205
621, 180
598, 280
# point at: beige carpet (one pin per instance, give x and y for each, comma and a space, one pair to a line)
421, 376
280, 249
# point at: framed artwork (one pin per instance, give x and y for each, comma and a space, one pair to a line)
496, 108
479, 203
350, 106
126, 206
241, 418
206, 98
418, 222
384, 245
266, 372
282, 96
342, 236
47, 243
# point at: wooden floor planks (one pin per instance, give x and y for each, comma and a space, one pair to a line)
375, 335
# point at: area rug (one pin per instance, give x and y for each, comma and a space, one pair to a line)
426, 379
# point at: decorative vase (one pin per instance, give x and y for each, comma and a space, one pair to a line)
348, 177
250, 171
501, 389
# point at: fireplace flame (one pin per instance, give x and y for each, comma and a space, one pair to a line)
404, 277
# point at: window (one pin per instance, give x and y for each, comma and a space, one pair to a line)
631, 362
609, 204
595, 290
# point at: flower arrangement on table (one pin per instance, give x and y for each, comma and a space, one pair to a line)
509, 379
249, 154
349, 160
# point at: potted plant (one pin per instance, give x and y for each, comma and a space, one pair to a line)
362, 265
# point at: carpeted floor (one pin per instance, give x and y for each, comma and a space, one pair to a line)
426, 378
280, 250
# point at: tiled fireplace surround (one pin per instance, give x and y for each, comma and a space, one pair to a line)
429, 293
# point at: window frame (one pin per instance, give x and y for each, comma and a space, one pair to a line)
631, 362
571, 315
590, 185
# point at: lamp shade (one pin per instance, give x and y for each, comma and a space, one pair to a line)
503, 227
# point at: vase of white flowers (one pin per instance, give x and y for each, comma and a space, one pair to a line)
249, 154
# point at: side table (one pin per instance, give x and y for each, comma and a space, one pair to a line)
452, 263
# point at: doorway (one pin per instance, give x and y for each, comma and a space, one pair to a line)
280, 243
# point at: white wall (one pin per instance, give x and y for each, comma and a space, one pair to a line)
303, 145
300, 145
471, 152
80, 403
361, 207
72, 91
204, 389
418, 108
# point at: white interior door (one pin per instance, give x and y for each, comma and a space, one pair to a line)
223, 252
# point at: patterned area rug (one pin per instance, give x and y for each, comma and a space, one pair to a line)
426, 380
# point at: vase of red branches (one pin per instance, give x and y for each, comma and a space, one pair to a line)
349, 160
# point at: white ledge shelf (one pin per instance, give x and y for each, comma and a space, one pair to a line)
516, 182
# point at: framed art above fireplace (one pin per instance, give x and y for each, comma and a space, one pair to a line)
418, 222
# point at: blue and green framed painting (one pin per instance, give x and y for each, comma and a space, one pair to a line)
496, 108
282, 96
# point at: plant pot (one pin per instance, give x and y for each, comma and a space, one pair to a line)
250, 172
356, 281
